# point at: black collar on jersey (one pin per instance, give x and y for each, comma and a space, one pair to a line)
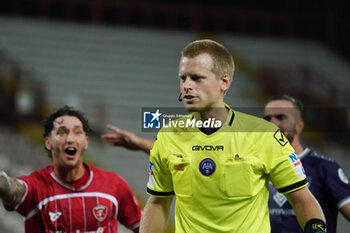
232, 118
209, 131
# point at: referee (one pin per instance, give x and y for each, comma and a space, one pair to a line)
219, 175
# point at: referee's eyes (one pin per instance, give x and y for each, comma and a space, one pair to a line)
182, 78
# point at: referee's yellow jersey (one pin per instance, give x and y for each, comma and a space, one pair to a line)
221, 180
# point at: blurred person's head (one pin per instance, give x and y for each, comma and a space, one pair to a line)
66, 137
205, 71
286, 113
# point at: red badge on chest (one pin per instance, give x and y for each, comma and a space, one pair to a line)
100, 212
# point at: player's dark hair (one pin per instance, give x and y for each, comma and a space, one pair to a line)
65, 111
296, 102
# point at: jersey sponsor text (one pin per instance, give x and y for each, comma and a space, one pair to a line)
207, 148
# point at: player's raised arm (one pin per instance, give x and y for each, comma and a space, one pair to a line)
11, 190
127, 139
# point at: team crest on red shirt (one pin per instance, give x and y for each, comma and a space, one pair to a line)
100, 212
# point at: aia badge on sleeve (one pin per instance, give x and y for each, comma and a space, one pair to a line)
207, 167
281, 139
100, 212
294, 158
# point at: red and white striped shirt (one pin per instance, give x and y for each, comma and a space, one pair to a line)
93, 204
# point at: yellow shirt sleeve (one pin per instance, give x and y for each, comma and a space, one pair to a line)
159, 176
286, 172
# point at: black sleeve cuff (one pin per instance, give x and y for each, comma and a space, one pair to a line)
160, 194
293, 186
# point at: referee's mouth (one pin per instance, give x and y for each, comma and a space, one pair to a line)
189, 98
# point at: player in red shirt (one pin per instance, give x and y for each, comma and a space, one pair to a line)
70, 195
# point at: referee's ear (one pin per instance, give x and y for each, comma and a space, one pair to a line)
225, 83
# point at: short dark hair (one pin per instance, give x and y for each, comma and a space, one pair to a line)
65, 111
296, 102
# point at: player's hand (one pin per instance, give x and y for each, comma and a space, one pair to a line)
122, 138
11, 190
5, 182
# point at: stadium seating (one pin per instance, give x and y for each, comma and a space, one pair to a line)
110, 73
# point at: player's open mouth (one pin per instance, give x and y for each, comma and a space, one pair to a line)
70, 151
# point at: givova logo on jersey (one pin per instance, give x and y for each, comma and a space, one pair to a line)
294, 158
54, 215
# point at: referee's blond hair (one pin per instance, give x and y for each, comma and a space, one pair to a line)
222, 59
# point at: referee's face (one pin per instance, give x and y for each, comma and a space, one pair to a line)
200, 88
283, 114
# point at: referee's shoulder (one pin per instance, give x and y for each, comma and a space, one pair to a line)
253, 123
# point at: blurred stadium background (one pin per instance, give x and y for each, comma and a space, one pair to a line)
110, 58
